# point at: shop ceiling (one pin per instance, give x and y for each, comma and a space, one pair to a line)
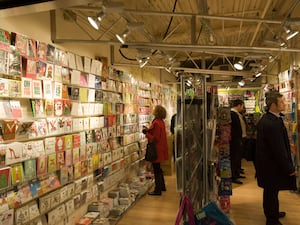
195, 36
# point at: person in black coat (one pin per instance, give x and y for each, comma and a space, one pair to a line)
275, 170
236, 141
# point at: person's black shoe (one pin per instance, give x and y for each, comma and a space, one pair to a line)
163, 189
154, 193
241, 177
281, 214
236, 181
242, 172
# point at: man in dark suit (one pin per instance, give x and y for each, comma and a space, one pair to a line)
237, 106
275, 170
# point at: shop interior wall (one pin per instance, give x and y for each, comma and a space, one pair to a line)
37, 26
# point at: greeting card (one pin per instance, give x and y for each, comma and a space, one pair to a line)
26, 87
65, 75
35, 188
14, 88
52, 125
5, 177
50, 53
15, 65
76, 140
77, 170
7, 217
58, 107
52, 163
57, 73
68, 157
59, 143
49, 145
49, 107
60, 160
87, 64
16, 109
41, 167
17, 175
79, 62
29, 169
57, 90
31, 49
41, 68
76, 155
71, 60
41, 50
67, 107
37, 106
47, 88
30, 66
4, 87
63, 175
33, 210
22, 215
14, 152
65, 92
37, 89
24, 193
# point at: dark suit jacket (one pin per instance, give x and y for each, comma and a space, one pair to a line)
236, 132
273, 154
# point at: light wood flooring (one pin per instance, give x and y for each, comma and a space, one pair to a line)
246, 205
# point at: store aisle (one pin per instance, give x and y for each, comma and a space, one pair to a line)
246, 202
150, 210
246, 205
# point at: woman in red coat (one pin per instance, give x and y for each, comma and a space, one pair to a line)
157, 133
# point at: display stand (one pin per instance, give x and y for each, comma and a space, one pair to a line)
190, 140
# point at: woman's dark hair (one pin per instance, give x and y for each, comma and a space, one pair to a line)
160, 112
272, 97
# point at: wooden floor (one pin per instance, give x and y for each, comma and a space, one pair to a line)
246, 205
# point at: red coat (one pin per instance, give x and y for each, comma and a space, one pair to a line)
157, 133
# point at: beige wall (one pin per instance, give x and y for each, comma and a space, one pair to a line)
37, 26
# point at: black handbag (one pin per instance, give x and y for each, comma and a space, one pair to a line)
151, 153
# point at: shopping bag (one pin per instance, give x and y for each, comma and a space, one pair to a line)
211, 214
186, 206
151, 153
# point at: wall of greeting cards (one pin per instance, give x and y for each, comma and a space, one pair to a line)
288, 82
69, 132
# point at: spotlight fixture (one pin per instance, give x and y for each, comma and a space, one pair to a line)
168, 69
100, 16
239, 65
122, 37
95, 20
290, 33
130, 27
257, 74
142, 61
241, 83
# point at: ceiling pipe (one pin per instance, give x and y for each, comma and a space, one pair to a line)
204, 48
194, 70
181, 47
197, 15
